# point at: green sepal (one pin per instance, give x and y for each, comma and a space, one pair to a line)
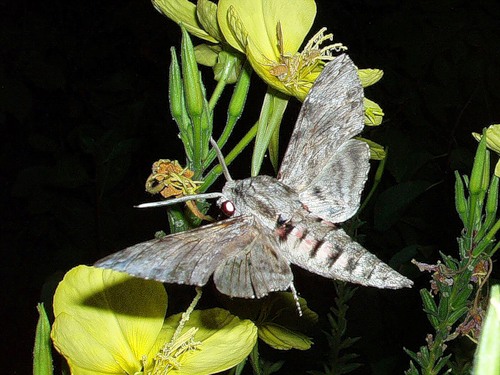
206, 54
491, 203
192, 81
227, 67
476, 179
270, 118
42, 352
282, 338
487, 357
206, 12
178, 105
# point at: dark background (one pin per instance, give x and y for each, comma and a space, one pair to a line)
84, 113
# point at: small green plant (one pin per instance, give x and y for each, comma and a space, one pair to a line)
456, 302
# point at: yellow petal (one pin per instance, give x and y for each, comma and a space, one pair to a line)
225, 341
109, 315
260, 19
84, 352
369, 77
183, 12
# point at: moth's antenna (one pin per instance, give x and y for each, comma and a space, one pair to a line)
221, 160
180, 200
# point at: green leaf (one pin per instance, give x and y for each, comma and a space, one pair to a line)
42, 355
430, 307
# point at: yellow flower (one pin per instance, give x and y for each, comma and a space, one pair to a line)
107, 322
270, 33
493, 142
224, 341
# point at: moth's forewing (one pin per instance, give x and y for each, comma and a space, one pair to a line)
331, 114
188, 257
244, 260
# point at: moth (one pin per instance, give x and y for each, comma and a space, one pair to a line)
291, 219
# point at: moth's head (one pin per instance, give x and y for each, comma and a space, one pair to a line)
227, 202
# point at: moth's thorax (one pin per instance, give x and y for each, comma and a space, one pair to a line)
263, 197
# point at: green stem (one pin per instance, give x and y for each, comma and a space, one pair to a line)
487, 239
236, 106
228, 67
217, 170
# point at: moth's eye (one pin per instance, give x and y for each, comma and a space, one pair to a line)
228, 208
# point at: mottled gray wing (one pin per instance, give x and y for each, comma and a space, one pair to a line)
331, 114
335, 192
232, 248
254, 271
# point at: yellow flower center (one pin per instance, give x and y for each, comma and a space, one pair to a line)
167, 358
293, 70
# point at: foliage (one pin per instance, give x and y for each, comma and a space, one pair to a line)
456, 302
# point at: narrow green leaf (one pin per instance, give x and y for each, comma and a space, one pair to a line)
443, 308
430, 307
441, 363
462, 296
457, 314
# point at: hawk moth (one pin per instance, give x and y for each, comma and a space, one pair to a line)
291, 219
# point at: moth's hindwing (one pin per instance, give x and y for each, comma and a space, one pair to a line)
244, 261
335, 193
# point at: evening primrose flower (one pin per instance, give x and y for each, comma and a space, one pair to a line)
492, 142
270, 33
107, 322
